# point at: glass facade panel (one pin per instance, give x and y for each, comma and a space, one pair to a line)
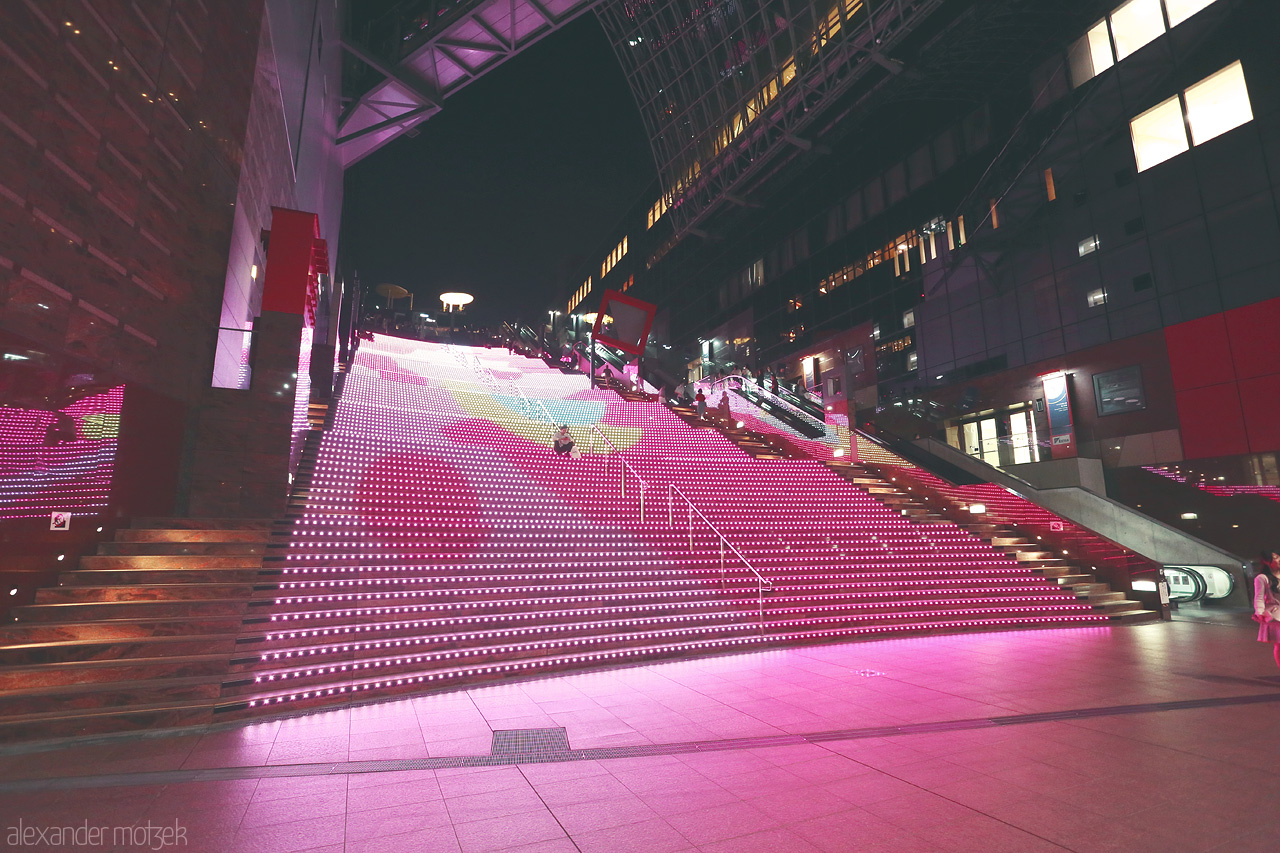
1180, 10
1218, 104
1135, 24
1158, 134
1100, 48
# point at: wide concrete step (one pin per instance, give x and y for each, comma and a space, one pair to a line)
67, 721
100, 673
129, 534
281, 638
172, 561
111, 610
408, 659
98, 696
1069, 581
295, 617
276, 602
164, 549
150, 577
282, 698
165, 523
1134, 617
1116, 605
151, 592
70, 651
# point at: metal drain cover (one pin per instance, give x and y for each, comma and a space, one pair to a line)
508, 742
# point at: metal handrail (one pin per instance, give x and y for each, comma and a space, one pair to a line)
761, 580
626, 466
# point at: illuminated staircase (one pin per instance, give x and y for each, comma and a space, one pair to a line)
434, 540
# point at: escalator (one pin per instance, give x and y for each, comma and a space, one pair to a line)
785, 408
803, 401
936, 465
1196, 568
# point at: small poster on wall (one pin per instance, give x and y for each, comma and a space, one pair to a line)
1119, 391
59, 521
1057, 400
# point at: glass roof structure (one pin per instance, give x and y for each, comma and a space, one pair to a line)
419, 53
728, 89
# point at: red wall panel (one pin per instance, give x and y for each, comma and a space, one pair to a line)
1260, 402
1254, 332
289, 255
1212, 422
1199, 353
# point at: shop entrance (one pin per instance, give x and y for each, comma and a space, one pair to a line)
998, 438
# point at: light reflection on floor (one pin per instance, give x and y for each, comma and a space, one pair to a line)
1187, 779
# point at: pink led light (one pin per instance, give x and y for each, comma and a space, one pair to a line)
74, 475
441, 540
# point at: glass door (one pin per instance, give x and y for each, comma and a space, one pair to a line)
990, 441
1020, 438
971, 444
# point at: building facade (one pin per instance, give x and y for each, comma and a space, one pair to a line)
1102, 207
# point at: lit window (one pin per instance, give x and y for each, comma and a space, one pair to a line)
1091, 55
1180, 10
1135, 24
875, 332
908, 319
1095, 298
1218, 103
912, 360
1100, 48
1088, 246
1158, 134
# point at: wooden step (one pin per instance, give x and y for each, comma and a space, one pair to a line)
159, 549
154, 523
171, 561
133, 534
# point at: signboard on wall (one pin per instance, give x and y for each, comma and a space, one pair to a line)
1118, 391
1057, 402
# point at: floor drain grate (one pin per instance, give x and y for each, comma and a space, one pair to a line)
509, 742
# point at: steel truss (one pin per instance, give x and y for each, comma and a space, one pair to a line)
417, 67
723, 86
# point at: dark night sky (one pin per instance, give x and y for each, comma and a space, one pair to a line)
523, 173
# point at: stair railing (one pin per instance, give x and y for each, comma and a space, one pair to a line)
761, 580
626, 466
485, 376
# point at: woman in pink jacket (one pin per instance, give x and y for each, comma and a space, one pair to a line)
1266, 601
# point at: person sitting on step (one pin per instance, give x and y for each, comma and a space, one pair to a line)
563, 442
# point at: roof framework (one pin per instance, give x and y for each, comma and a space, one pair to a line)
725, 86
412, 62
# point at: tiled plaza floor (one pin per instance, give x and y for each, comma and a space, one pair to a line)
1162, 737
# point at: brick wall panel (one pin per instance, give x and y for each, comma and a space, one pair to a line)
132, 33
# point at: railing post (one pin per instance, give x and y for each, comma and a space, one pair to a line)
671, 509
721, 559
686, 500
760, 599
624, 477
642, 503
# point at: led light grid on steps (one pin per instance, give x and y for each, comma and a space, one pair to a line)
441, 539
